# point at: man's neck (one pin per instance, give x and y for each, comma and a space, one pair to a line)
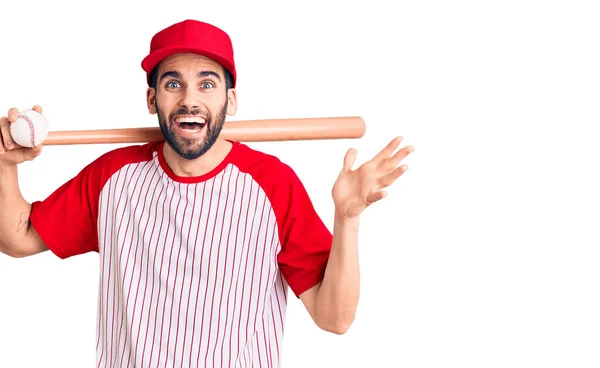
200, 166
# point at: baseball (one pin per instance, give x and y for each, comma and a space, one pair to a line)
30, 129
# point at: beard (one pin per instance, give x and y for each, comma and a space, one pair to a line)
191, 149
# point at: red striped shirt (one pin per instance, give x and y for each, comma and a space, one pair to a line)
194, 272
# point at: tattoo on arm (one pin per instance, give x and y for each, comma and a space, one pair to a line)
23, 221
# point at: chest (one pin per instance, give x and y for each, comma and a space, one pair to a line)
216, 228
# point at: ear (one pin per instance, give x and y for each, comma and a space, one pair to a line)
231, 102
151, 100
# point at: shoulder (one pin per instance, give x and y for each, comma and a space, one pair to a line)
129, 154
101, 169
267, 169
116, 159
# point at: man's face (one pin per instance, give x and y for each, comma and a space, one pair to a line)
191, 102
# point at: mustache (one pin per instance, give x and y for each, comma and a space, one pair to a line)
193, 112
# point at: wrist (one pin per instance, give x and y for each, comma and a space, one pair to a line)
8, 175
6, 168
342, 219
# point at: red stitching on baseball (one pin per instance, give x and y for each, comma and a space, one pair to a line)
31, 128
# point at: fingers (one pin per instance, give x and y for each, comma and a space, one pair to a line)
12, 114
376, 196
387, 151
387, 180
6, 143
392, 162
391, 177
349, 159
29, 154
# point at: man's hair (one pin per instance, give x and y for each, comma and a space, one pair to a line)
227, 73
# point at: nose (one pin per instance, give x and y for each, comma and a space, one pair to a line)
190, 99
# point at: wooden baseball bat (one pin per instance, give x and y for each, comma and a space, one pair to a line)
243, 130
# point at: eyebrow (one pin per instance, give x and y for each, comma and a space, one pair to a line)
172, 74
207, 73
204, 73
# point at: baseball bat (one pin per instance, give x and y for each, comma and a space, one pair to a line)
242, 130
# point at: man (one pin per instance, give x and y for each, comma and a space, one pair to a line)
198, 237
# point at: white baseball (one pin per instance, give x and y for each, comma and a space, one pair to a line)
30, 129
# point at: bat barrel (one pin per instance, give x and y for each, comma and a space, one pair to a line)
245, 130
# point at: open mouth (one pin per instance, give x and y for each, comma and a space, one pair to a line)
190, 123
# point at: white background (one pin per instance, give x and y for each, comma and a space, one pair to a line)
485, 254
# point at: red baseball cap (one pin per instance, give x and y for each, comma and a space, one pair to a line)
191, 36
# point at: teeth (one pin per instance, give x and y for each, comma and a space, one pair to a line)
190, 119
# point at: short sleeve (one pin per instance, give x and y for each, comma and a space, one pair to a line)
66, 219
305, 240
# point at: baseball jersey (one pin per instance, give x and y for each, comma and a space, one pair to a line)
194, 271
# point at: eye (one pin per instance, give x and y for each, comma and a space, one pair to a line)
172, 84
207, 85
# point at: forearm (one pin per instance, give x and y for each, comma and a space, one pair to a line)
14, 214
337, 298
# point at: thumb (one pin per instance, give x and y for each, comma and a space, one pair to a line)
349, 159
29, 154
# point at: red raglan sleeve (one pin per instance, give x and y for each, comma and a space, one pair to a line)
66, 219
305, 240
